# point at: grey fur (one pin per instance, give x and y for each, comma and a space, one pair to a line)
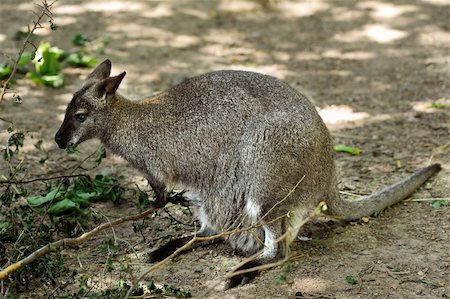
236, 142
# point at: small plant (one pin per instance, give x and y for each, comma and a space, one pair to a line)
83, 193
351, 280
48, 61
281, 278
168, 290
440, 203
72, 149
15, 140
439, 106
142, 199
347, 149
47, 66
101, 154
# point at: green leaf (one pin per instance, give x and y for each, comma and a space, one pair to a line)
84, 199
39, 200
101, 153
347, 149
351, 280
38, 145
4, 227
25, 58
33, 76
46, 60
16, 139
63, 206
20, 35
438, 106
80, 39
439, 203
81, 60
55, 81
72, 149
7, 154
5, 70
427, 282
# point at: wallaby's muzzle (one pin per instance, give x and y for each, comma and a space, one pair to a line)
62, 137
61, 141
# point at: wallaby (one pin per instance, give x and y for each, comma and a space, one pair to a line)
236, 143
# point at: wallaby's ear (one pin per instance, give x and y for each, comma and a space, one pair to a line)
102, 71
112, 83
109, 86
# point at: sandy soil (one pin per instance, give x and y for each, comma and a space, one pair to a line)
372, 68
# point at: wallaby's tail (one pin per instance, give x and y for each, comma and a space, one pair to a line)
355, 209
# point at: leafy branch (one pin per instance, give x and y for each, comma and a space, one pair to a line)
44, 12
4, 273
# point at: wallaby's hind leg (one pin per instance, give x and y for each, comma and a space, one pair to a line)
278, 236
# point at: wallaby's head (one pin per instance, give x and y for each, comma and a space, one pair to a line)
86, 114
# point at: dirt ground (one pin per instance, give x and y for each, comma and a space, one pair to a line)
372, 68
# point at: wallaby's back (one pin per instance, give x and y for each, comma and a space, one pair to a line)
246, 129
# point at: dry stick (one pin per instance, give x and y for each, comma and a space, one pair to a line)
71, 242
428, 199
37, 25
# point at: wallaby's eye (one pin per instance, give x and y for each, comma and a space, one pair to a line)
81, 117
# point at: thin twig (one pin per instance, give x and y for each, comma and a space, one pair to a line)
352, 194
6, 120
282, 200
428, 199
44, 179
36, 25
176, 220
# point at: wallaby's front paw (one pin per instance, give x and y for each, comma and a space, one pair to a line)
178, 199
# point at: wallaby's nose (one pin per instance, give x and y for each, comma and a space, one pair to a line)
59, 141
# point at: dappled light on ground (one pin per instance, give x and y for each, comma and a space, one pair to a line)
310, 285
342, 113
376, 70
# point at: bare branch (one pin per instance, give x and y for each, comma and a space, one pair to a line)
43, 179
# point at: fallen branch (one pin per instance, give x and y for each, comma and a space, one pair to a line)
70, 242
